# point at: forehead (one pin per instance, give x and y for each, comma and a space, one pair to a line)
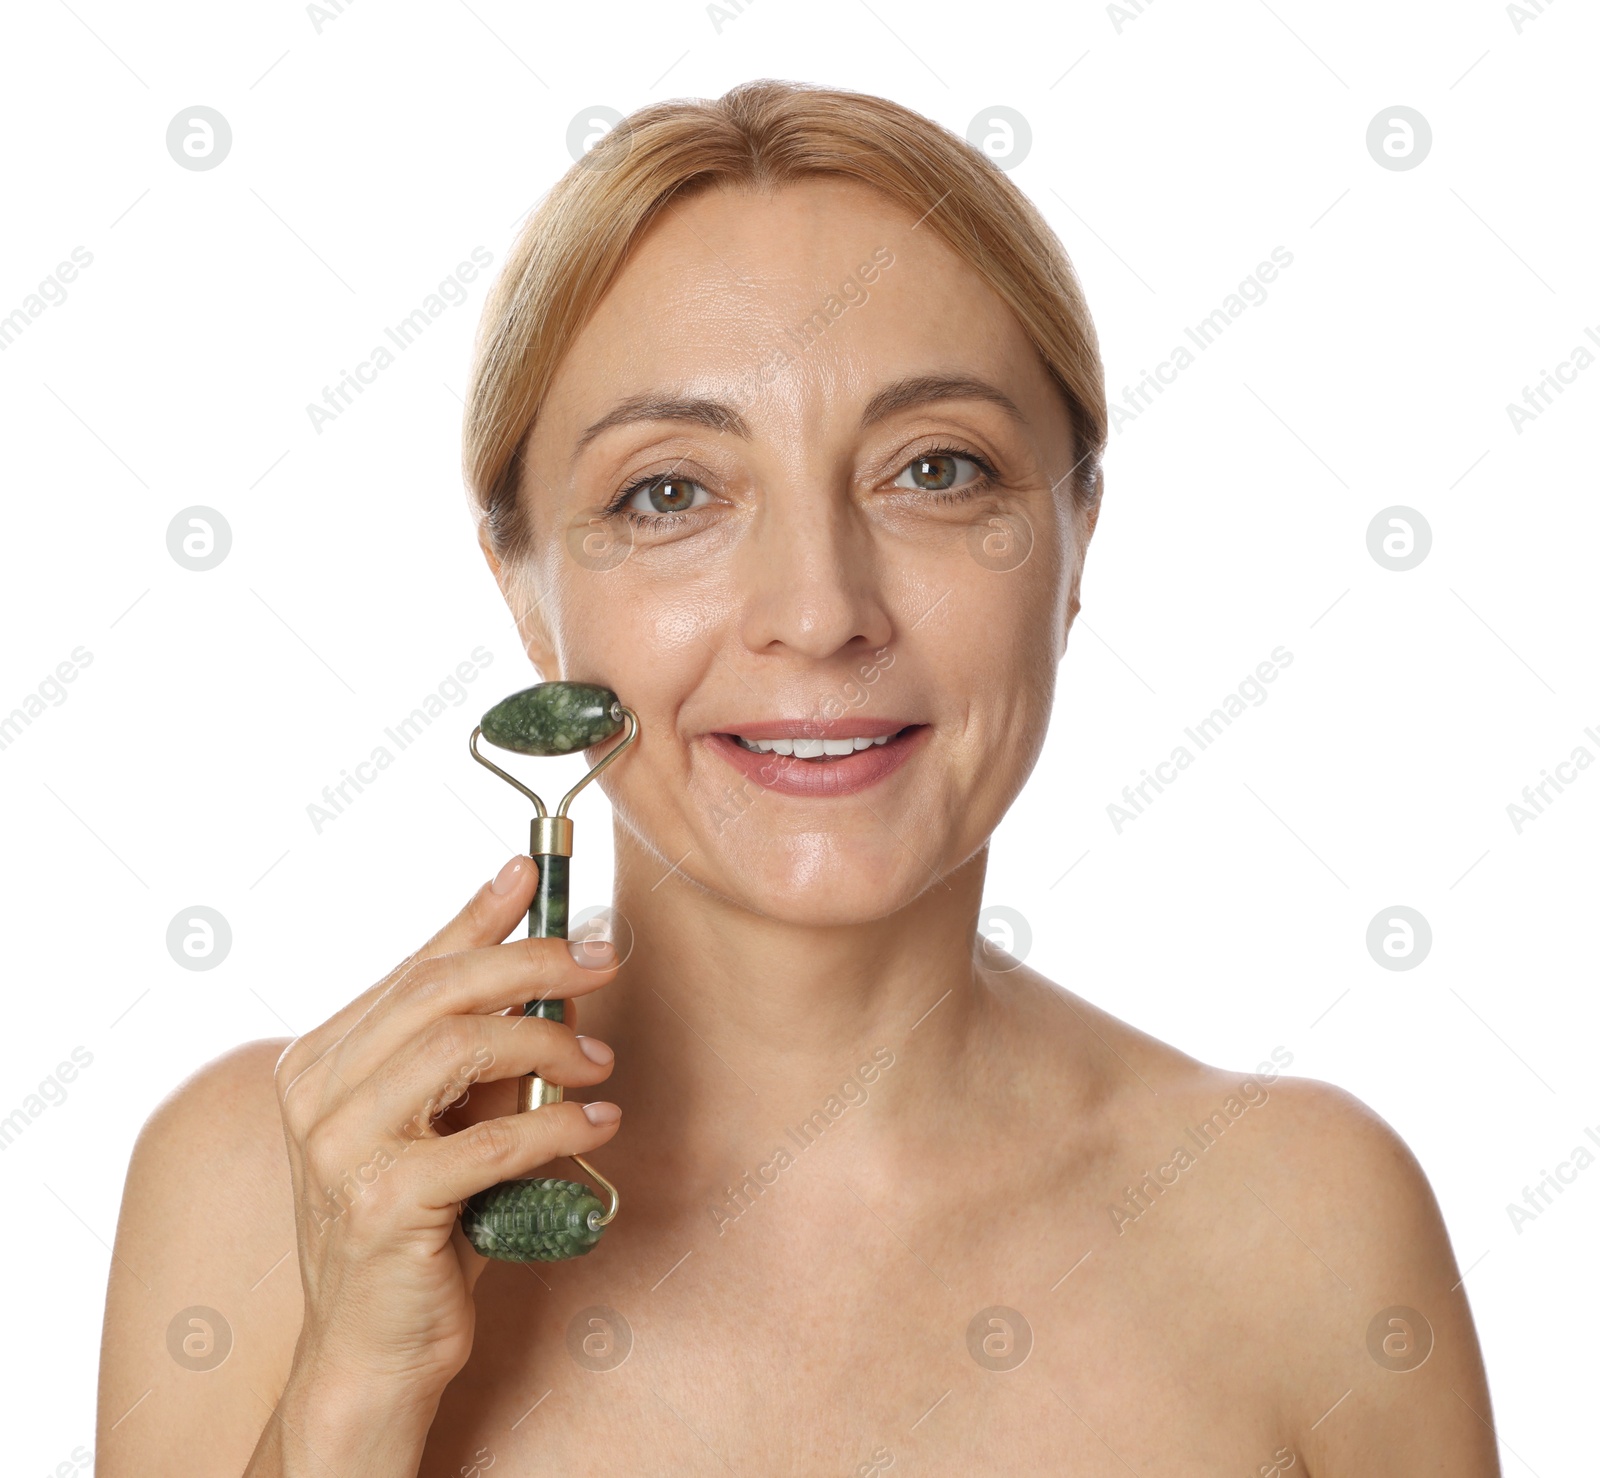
793, 302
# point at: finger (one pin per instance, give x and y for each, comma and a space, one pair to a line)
488, 1100
487, 918
476, 981
455, 1166
407, 1093
491, 913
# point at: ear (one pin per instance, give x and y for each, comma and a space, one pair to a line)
1093, 517
526, 608
493, 561
1090, 524
1087, 523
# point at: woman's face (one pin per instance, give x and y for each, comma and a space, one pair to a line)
803, 478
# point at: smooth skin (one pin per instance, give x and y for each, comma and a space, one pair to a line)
830, 1317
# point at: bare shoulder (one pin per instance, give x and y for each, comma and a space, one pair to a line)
1276, 1218
1348, 1234
1284, 1220
203, 1305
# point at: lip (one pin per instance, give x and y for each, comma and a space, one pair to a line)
846, 775
819, 728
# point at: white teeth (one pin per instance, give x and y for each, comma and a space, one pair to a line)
810, 749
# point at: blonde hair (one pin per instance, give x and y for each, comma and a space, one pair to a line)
759, 136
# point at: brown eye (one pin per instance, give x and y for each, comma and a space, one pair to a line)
665, 495
938, 472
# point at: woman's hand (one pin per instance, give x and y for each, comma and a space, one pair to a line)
387, 1272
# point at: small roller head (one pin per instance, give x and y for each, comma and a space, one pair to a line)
533, 1220
553, 718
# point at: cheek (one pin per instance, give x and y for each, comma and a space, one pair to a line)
651, 642
631, 629
998, 654
641, 642
1005, 598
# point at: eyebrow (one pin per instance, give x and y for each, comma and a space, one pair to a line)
917, 390
900, 395
652, 407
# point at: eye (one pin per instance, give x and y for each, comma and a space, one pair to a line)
941, 471
662, 496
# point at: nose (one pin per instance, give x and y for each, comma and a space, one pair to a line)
810, 575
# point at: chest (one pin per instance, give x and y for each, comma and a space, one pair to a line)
951, 1345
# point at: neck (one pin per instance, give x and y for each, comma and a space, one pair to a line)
731, 1027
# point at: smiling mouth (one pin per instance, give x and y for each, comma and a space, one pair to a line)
819, 751
789, 757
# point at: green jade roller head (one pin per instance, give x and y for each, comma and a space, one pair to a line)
547, 1220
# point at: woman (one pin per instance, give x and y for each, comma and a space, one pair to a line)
786, 424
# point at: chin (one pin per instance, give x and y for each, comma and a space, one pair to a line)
823, 880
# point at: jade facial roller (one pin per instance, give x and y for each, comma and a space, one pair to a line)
546, 1220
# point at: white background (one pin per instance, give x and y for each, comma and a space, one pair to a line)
1171, 155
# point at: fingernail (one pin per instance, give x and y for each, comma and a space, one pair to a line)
593, 954
594, 1049
601, 1113
509, 876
